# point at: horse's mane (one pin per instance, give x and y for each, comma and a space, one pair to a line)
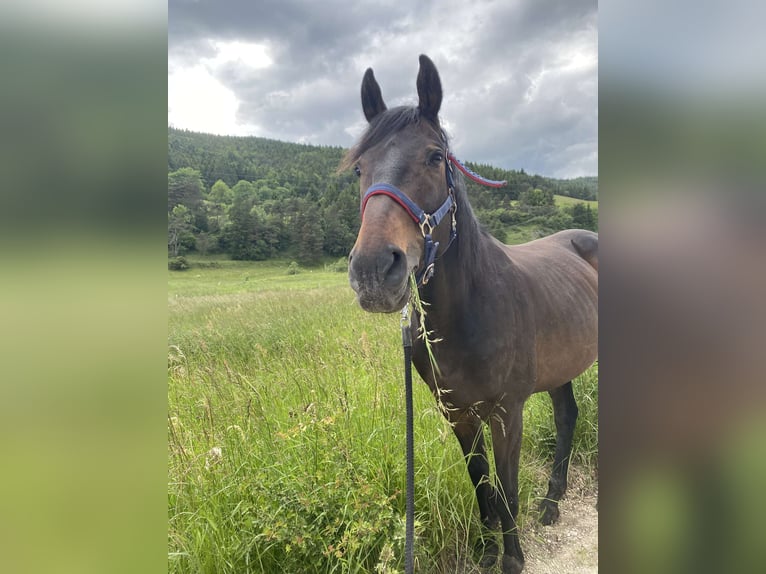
472, 237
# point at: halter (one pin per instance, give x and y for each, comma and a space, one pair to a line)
427, 222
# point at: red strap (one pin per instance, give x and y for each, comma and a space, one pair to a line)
393, 196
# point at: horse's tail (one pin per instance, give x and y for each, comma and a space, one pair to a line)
586, 246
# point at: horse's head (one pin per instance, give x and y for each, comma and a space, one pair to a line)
402, 153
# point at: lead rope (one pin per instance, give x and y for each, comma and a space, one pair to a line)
409, 535
473, 175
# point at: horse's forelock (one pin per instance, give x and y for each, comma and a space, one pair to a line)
382, 126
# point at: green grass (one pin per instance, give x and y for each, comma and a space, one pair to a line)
564, 200
286, 432
210, 276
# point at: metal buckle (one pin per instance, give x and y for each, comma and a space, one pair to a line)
453, 210
425, 227
405, 325
405, 319
427, 274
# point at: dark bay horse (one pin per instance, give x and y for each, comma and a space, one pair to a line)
511, 320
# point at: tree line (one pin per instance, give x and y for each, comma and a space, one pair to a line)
253, 198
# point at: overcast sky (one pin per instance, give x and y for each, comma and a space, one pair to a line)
520, 77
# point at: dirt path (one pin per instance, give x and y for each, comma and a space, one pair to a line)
568, 547
571, 545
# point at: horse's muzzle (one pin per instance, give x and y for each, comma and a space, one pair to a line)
380, 279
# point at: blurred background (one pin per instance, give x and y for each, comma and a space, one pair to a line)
83, 291
683, 322
83, 111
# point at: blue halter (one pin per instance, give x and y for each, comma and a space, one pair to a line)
426, 221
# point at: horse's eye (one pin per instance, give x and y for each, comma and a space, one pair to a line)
436, 158
357, 171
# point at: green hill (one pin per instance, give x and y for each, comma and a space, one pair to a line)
256, 198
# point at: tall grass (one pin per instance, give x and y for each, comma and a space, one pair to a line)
286, 433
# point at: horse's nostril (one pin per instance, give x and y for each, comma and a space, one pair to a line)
393, 266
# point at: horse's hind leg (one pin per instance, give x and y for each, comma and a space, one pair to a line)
468, 430
565, 414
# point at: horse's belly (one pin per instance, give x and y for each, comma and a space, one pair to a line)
551, 377
565, 354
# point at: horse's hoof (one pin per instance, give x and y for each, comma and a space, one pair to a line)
512, 565
549, 512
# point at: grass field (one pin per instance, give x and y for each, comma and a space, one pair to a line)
564, 200
286, 432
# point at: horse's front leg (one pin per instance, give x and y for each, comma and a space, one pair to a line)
467, 427
506, 442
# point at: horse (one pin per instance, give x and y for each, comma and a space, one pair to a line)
509, 321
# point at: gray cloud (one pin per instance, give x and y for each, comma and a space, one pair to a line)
520, 82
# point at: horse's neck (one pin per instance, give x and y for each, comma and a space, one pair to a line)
458, 283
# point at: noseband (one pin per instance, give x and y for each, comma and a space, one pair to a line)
427, 222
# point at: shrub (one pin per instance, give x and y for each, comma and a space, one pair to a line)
178, 263
340, 266
293, 268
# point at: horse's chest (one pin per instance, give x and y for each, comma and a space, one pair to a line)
478, 379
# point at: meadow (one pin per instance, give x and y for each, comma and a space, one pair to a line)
286, 432
566, 201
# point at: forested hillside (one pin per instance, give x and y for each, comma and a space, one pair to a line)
254, 198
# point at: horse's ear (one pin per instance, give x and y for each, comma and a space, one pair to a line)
372, 99
429, 89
